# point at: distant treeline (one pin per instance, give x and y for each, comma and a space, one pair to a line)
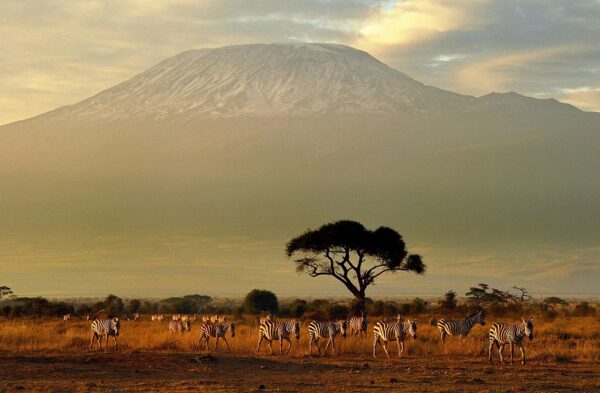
493, 301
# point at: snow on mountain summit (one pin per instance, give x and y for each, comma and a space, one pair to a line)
266, 79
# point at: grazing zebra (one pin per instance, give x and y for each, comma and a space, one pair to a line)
270, 330
397, 330
503, 333
218, 330
318, 329
136, 316
67, 317
106, 328
176, 317
460, 328
358, 324
179, 326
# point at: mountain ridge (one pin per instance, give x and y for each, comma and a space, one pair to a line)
278, 79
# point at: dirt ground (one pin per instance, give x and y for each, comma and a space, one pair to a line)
132, 371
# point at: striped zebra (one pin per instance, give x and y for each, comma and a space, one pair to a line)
217, 330
67, 317
270, 330
358, 324
106, 328
264, 319
460, 328
318, 329
176, 317
179, 326
504, 333
393, 330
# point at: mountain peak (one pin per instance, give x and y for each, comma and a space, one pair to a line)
262, 80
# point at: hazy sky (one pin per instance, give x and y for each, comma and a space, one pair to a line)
58, 52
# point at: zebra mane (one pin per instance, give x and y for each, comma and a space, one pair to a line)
474, 314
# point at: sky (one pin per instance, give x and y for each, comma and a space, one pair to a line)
54, 53
58, 52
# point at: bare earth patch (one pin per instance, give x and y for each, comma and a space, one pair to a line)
137, 371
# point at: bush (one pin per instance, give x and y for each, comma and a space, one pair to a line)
258, 301
297, 308
338, 311
583, 309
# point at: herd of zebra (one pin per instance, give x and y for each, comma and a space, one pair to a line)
384, 332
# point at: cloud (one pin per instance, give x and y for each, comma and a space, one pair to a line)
586, 98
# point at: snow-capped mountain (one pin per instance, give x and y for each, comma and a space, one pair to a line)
267, 80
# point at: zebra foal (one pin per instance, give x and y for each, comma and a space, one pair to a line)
386, 331
460, 328
325, 330
106, 328
358, 324
270, 331
217, 330
511, 334
179, 326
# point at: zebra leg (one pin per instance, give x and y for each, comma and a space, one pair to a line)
442, 335
400, 347
500, 350
512, 353
375, 342
207, 338
317, 345
289, 345
327, 346
522, 353
92, 341
271, 346
217, 343
492, 342
384, 345
280, 345
226, 344
258, 345
106, 342
310, 345
333, 346
115, 338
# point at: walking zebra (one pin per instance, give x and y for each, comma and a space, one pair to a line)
218, 330
106, 328
318, 329
397, 330
503, 333
179, 326
67, 317
460, 328
358, 324
270, 330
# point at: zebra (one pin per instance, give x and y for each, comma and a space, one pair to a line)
264, 319
270, 330
67, 317
176, 317
157, 317
136, 316
106, 328
179, 326
358, 324
218, 330
318, 329
460, 328
503, 333
397, 330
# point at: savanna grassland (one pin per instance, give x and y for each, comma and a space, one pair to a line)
51, 355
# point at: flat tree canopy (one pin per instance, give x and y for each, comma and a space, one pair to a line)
352, 254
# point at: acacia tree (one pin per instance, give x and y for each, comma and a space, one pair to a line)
352, 254
5, 291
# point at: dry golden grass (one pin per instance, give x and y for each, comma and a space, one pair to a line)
562, 340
